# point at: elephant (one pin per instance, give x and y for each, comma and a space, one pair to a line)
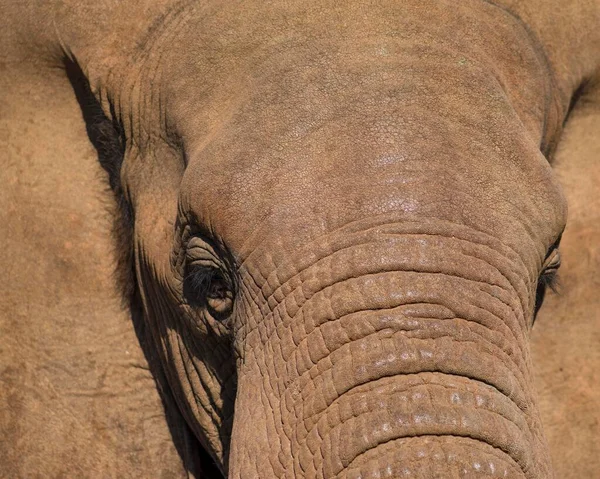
330, 226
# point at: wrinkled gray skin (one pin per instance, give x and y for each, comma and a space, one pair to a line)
368, 187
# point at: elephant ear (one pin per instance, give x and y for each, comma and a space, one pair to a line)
108, 138
568, 324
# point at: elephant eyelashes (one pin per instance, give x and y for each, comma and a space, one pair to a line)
208, 288
548, 278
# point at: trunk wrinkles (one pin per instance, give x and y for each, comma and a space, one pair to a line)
391, 352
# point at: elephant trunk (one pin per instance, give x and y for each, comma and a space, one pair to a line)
395, 350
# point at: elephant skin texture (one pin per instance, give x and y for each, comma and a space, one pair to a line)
298, 239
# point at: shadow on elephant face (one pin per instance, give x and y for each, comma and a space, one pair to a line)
108, 139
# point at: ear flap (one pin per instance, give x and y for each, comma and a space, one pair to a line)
108, 137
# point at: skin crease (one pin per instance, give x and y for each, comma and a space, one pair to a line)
378, 176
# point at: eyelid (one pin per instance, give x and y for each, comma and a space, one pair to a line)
199, 249
201, 254
552, 262
204, 263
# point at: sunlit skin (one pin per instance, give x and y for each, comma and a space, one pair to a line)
336, 223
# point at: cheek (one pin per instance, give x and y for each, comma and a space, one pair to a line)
196, 355
194, 351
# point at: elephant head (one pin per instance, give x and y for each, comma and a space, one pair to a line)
343, 221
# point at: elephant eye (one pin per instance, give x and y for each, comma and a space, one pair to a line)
209, 288
548, 278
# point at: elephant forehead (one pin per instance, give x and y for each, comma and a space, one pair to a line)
351, 170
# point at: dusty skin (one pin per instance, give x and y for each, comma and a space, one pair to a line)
299, 239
